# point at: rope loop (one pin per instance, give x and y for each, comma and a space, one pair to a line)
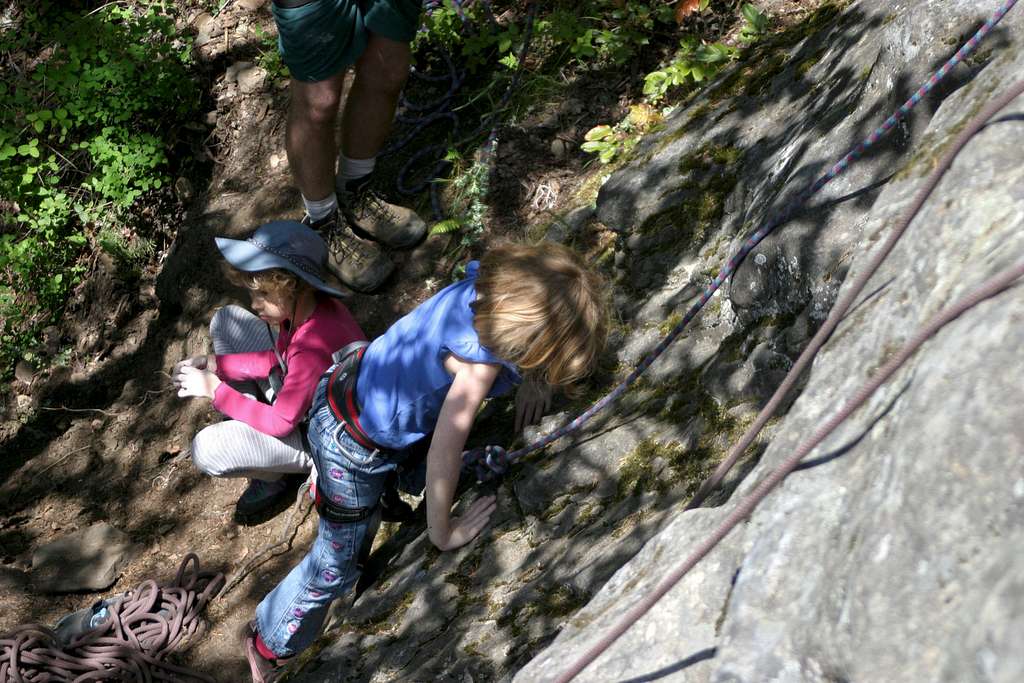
486, 462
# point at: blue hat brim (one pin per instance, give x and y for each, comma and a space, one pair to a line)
248, 257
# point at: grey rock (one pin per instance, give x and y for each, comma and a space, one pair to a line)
88, 560
207, 28
231, 73
251, 79
560, 148
24, 372
892, 553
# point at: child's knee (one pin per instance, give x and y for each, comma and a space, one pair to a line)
206, 455
224, 316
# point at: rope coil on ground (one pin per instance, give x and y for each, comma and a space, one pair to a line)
141, 629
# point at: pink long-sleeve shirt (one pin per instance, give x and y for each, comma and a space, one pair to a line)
307, 353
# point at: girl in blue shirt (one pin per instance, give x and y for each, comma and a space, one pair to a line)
524, 311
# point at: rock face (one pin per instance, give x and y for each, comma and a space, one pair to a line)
892, 554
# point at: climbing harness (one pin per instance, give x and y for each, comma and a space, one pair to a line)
990, 288
131, 643
492, 461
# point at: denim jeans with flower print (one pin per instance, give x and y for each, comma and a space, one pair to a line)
291, 615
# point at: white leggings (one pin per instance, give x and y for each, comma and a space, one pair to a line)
232, 448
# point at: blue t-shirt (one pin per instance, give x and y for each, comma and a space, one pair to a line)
402, 380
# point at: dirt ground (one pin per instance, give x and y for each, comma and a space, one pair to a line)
104, 438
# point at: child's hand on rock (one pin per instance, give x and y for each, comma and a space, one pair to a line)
533, 400
465, 528
193, 381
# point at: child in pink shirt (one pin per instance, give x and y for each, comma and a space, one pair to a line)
265, 364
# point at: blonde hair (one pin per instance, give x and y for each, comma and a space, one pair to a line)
279, 284
541, 308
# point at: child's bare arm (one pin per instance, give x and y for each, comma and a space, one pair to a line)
444, 459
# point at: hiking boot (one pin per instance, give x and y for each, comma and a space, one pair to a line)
262, 669
260, 497
367, 213
358, 263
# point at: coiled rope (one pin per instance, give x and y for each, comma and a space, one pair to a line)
491, 461
133, 642
988, 289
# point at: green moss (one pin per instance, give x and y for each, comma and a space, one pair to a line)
635, 469
760, 79
588, 513
463, 578
554, 602
929, 150
561, 600
709, 174
803, 67
979, 58
565, 498
382, 623
670, 323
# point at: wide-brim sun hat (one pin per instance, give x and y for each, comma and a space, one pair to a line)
288, 245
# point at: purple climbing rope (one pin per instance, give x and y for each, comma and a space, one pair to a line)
489, 462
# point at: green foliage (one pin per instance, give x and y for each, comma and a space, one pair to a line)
612, 142
467, 194
85, 128
592, 32
694, 62
131, 251
601, 32
755, 23
270, 56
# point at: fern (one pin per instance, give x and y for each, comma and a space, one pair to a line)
449, 225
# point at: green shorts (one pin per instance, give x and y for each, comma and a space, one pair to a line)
319, 38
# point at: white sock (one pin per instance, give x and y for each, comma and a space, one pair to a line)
321, 208
350, 169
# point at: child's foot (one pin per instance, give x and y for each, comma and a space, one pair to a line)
392, 225
393, 508
358, 263
263, 670
260, 498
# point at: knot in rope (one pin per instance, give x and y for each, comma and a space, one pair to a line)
486, 462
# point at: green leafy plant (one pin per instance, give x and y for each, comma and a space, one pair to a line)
611, 142
86, 123
755, 23
467, 194
694, 62
270, 57
130, 250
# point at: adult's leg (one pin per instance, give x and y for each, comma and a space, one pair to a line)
380, 74
309, 137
